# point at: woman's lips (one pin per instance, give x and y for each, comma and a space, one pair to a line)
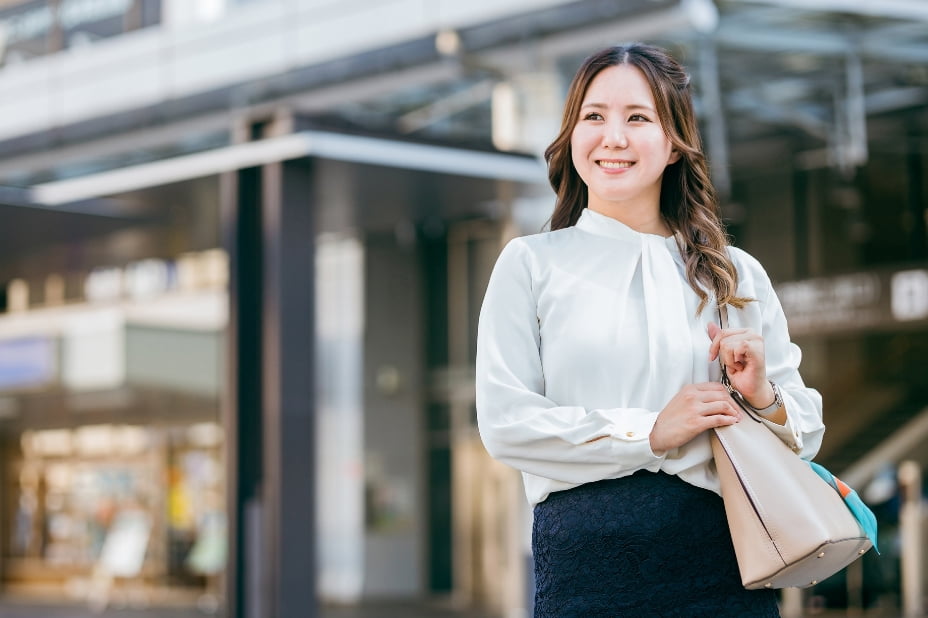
614, 165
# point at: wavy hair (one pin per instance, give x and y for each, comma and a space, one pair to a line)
688, 203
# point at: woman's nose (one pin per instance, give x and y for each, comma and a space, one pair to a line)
614, 135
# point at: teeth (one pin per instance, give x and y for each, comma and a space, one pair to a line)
615, 164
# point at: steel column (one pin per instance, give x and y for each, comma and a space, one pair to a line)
269, 405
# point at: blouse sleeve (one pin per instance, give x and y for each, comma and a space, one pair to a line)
517, 423
804, 428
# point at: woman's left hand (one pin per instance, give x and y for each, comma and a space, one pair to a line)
742, 353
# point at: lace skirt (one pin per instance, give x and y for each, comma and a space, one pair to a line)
643, 546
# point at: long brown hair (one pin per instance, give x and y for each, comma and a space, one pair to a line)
688, 202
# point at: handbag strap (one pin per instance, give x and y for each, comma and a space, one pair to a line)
737, 396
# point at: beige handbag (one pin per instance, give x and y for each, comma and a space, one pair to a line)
790, 527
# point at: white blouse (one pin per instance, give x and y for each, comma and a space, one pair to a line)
587, 332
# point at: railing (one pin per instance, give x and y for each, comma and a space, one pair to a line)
909, 542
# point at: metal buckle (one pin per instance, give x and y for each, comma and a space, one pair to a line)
737, 396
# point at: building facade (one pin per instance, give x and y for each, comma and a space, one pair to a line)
243, 246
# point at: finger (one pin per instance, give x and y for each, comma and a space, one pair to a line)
738, 351
739, 355
743, 340
746, 353
721, 407
710, 391
728, 358
718, 420
718, 335
721, 420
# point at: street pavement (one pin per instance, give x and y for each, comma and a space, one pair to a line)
424, 609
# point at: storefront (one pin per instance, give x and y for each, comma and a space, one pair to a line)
111, 369
138, 414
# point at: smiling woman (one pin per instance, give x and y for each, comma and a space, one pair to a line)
620, 149
595, 350
687, 201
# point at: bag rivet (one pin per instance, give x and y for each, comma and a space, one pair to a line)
814, 581
768, 585
862, 552
821, 555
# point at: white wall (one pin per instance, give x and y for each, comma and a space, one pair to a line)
339, 429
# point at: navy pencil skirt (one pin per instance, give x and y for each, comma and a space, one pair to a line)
647, 545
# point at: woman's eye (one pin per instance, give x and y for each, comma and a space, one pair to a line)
593, 116
639, 118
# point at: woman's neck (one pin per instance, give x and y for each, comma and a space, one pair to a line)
645, 221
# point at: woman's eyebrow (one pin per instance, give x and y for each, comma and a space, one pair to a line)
597, 105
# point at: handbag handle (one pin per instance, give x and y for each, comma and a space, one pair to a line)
737, 396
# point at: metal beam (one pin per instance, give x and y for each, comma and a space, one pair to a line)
897, 9
797, 109
112, 147
17, 197
853, 152
714, 117
340, 147
153, 136
827, 43
784, 115
446, 107
895, 32
693, 16
783, 40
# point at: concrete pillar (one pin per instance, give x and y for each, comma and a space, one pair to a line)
910, 530
791, 603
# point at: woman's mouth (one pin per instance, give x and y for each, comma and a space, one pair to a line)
614, 165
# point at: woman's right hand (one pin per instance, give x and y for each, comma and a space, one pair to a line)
693, 410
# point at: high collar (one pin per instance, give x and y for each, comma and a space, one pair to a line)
604, 225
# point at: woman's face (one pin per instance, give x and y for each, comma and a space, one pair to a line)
618, 145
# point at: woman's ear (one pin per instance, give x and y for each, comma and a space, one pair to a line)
674, 157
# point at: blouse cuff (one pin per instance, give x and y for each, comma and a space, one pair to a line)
786, 432
632, 441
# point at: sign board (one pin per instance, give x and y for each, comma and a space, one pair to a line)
873, 300
27, 362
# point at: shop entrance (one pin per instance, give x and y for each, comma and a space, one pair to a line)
485, 531
414, 230
111, 342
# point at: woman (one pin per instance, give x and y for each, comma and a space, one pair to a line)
598, 357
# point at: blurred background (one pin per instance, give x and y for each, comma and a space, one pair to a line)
243, 247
